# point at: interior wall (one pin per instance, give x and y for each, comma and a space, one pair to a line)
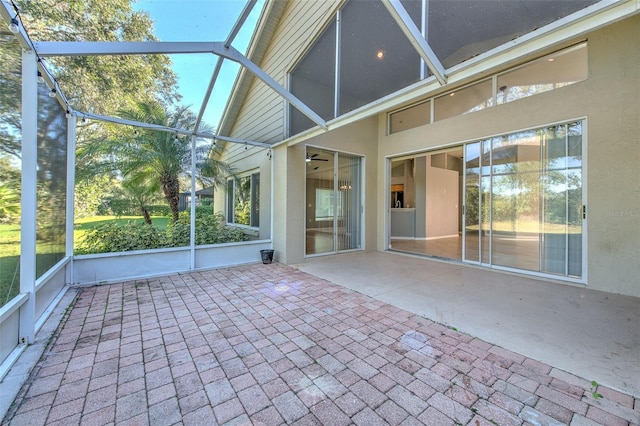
609, 101
441, 202
311, 222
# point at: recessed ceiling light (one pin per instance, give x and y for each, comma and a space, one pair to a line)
380, 54
551, 59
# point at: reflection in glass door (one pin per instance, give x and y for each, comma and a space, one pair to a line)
523, 201
333, 202
473, 164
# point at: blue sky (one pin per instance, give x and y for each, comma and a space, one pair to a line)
201, 20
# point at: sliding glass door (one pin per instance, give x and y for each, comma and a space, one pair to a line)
523, 200
333, 202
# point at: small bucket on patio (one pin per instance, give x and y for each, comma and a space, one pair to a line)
267, 256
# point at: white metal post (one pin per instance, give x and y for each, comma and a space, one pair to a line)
71, 192
192, 222
29, 194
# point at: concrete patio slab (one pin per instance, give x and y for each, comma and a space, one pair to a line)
589, 333
270, 344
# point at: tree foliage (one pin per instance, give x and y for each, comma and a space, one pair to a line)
101, 84
10, 95
146, 154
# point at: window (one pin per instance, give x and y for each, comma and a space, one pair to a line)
51, 211
551, 72
367, 56
324, 204
408, 118
243, 200
469, 99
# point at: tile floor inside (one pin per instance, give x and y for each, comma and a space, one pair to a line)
270, 344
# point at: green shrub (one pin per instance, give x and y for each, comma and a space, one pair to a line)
210, 229
114, 237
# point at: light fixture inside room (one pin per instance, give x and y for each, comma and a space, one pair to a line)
14, 26
308, 159
52, 93
380, 54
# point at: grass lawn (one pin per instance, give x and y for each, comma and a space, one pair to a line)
47, 254
9, 259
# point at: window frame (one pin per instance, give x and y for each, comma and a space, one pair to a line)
254, 199
494, 101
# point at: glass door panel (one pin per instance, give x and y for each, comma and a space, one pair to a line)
515, 192
574, 199
473, 166
485, 203
523, 193
321, 202
348, 203
562, 201
334, 197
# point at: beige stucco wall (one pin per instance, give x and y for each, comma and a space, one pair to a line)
290, 173
610, 101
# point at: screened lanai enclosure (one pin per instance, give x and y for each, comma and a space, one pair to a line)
99, 169
311, 136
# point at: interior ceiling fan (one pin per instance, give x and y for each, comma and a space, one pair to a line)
313, 158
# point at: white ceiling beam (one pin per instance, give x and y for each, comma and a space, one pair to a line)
239, 22
413, 34
73, 48
214, 77
167, 129
94, 48
7, 13
207, 95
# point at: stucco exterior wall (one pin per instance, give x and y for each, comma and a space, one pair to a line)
609, 100
289, 213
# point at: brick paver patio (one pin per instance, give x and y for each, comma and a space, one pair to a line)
268, 344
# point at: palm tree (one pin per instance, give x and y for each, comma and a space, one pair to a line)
143, 189
166, 155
